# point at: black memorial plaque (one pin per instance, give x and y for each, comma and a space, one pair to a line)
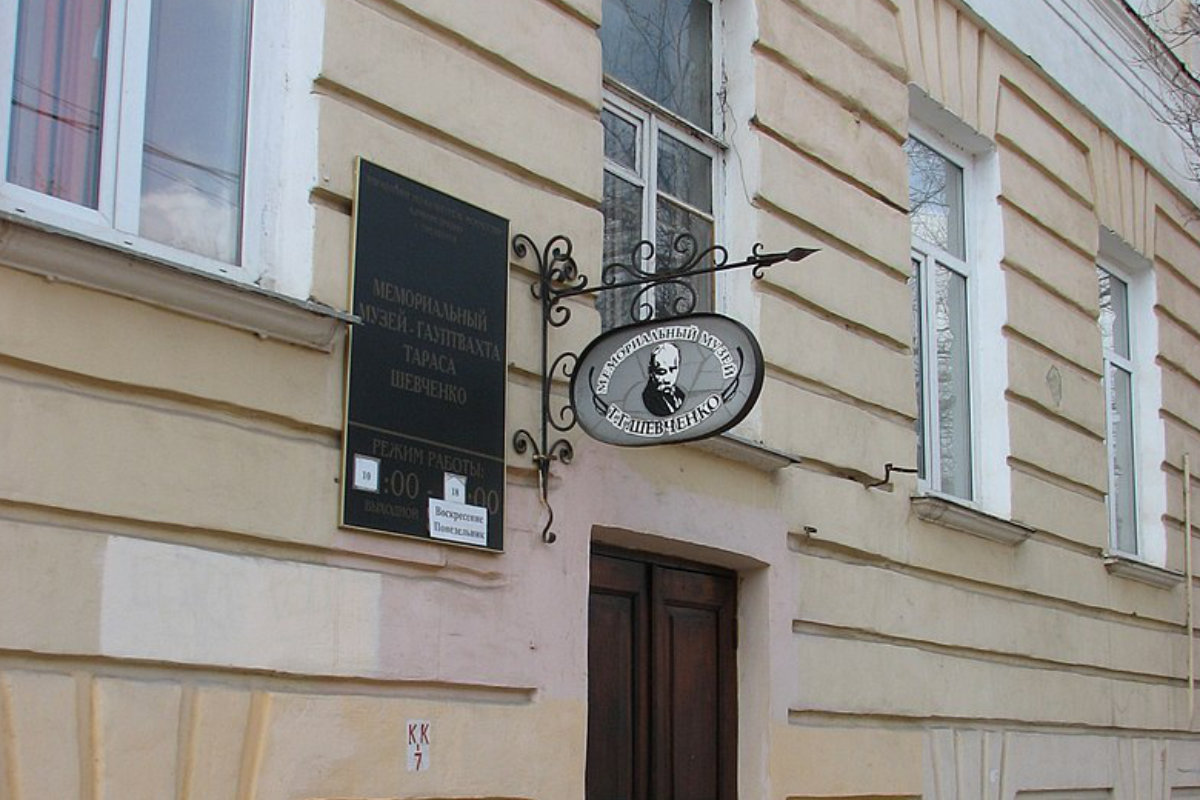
426, 373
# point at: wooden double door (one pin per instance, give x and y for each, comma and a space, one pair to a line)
662, 681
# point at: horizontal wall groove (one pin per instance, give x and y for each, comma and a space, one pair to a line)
571, 11
978, 654
1188, 284
830, 240
1051, 415
1190, 427
1071, 303
848, 38
34, 375
1070, 306
846, 102
1176, 524
841, 472
847, 178
428, 562
330, 200
802, 303
811, 386
1162, 214
1060, 358
1181, 372
1060, 481
1070, 244
1178, 321
464, 44
814, 547
1017, 151
823, 718
1048, 117
353, 99
252, 679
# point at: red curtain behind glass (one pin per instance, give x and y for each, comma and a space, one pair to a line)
58, 98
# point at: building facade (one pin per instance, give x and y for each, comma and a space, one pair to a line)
945, 556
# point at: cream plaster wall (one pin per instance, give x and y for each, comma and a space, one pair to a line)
181, 617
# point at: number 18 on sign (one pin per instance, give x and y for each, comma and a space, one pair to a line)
418, 744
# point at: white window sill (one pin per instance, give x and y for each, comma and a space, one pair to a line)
959, 516
1124, 566
61, 254
745, 451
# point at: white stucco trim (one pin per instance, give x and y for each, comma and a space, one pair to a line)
289, 37
949, 512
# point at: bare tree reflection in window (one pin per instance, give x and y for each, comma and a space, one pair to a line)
941, 357
935, 198
663, 49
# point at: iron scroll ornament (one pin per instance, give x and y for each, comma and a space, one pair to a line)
559, 278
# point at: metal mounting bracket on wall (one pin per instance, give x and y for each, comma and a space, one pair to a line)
559, 278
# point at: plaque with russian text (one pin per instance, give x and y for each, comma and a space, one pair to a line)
424, 443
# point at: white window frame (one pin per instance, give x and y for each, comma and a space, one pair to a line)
931, 256
987, 309
649, 124
1149, 446
266, 150
650, 119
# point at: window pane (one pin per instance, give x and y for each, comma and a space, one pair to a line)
663, 49
935, 198
620, 140
684, 172
953, 384
622, 232
58, 98
1120, 432
1114, 313
918, 324
673, 253
196, 125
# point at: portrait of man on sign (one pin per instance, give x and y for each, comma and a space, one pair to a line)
661, 396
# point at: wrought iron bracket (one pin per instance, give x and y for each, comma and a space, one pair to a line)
559, 278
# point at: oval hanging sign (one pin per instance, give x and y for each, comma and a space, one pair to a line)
667, 381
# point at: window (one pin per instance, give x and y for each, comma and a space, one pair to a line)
661, 151
128, 120
1132, 382
1118, 393
941, 346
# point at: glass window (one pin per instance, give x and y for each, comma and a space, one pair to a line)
935, 198
191, 193
663, 50
1118, 389
135, 109
941, 340
58, 99
659, 172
